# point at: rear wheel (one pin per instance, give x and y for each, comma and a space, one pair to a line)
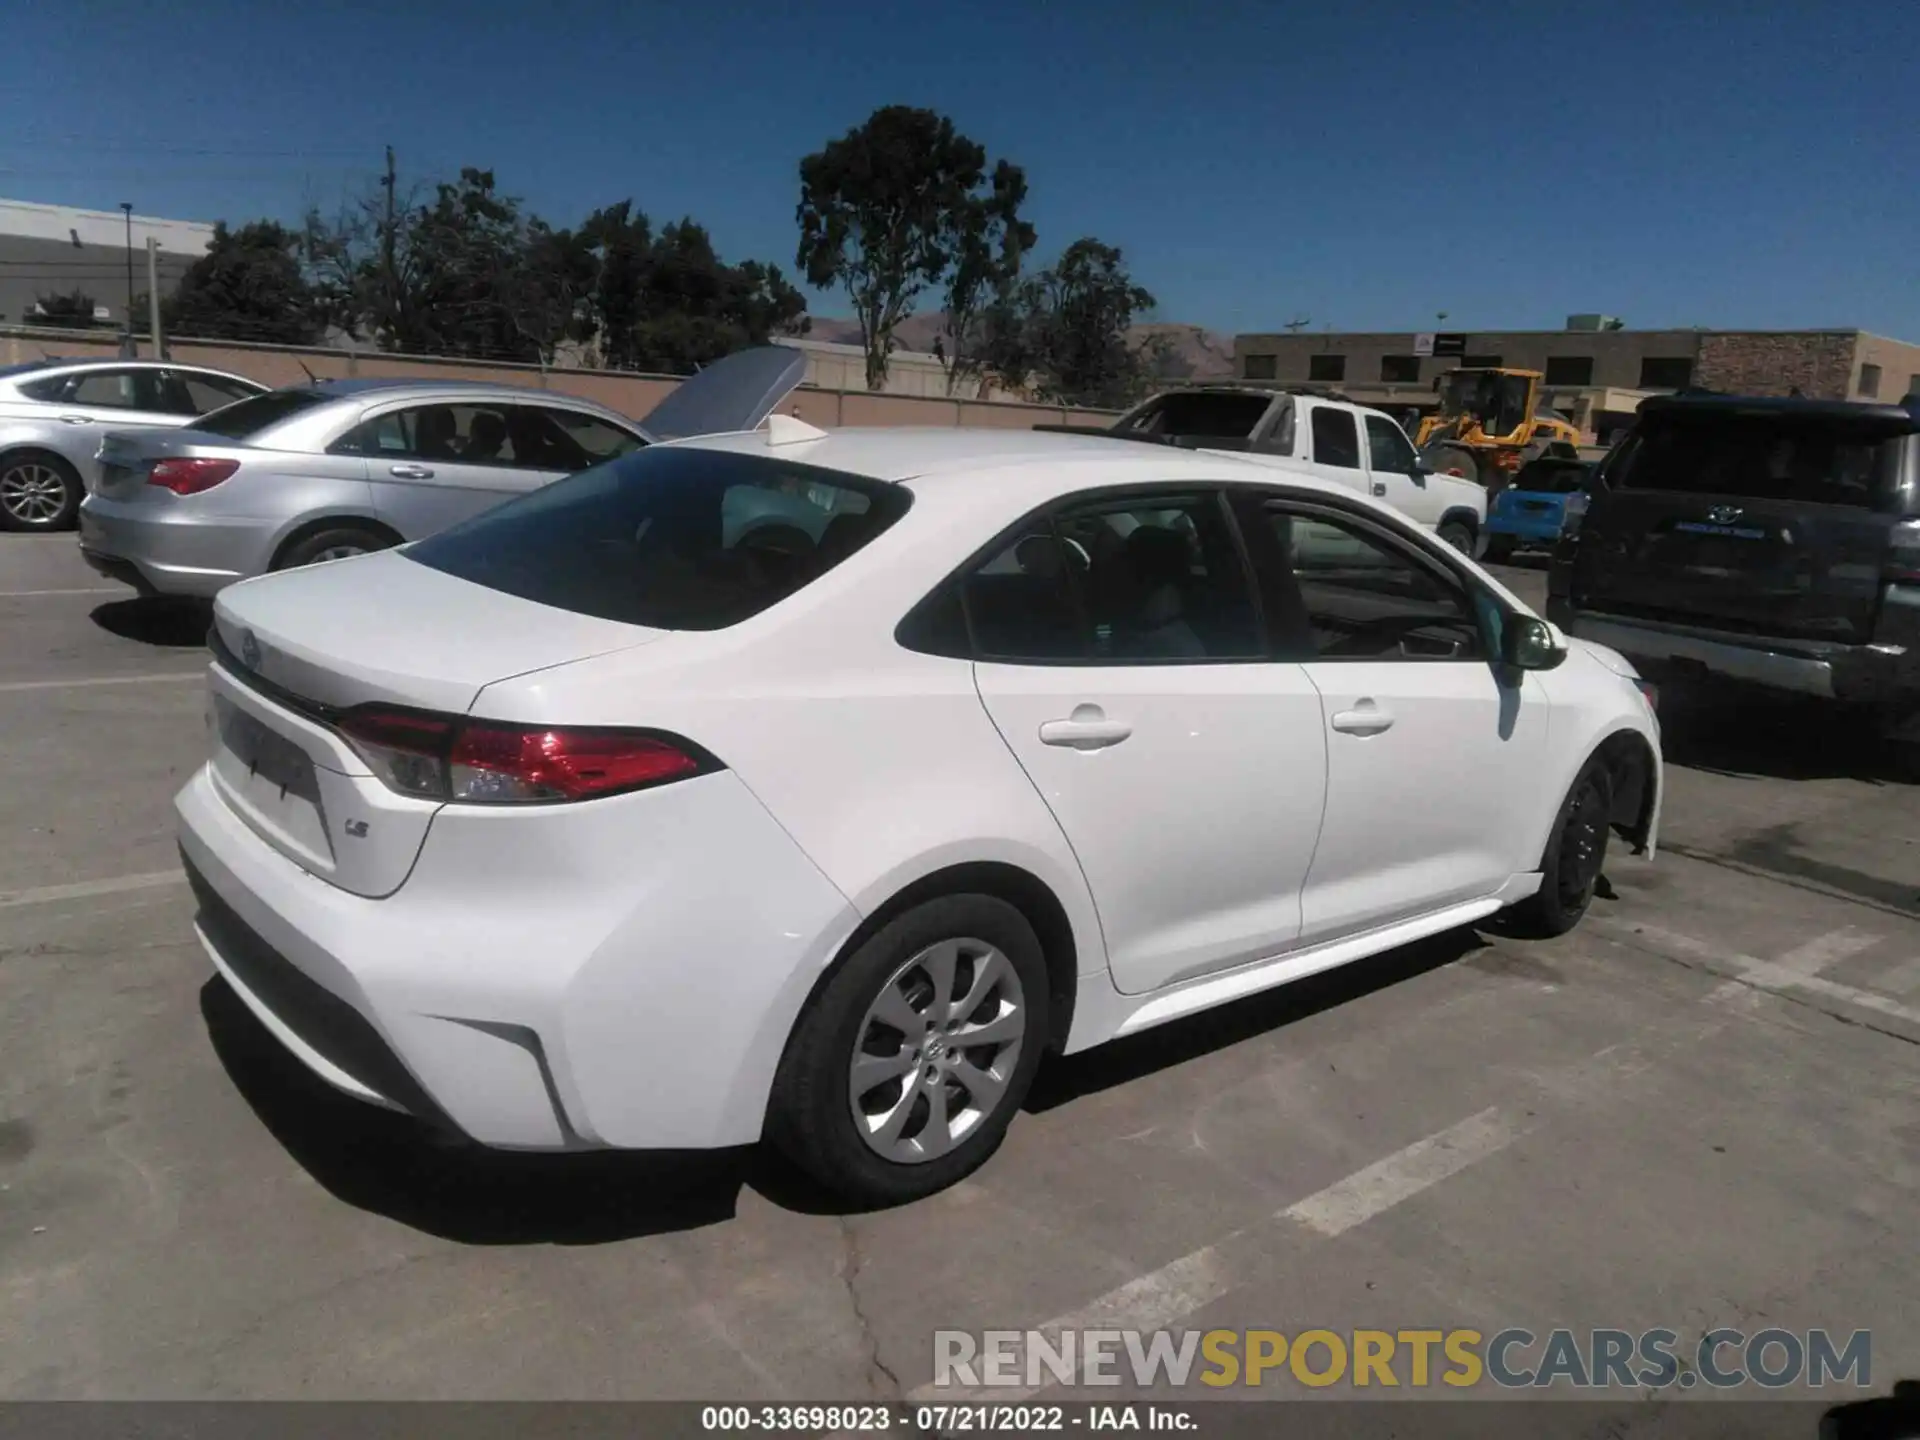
1499, 548
1458, 534
38, 491
908, 1064
337, 542
1452, 460
1575, 855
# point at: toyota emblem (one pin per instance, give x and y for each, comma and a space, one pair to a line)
249, 650
1725, 514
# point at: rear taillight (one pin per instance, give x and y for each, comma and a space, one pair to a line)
484, 762
190, 475
1650, 693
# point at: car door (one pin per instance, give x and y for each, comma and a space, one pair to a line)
1431, 755
1119, 652
1393, 473
434, 463
94, 401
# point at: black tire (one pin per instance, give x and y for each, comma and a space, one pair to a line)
332, 543
38, 492
1458, 534
1499, 548
811, 1115
1452, 460
1576, 854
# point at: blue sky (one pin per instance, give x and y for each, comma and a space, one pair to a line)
1364, 166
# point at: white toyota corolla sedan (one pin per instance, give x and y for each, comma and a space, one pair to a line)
815, 786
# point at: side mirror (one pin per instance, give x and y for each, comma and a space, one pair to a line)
1527, 643
1421, 470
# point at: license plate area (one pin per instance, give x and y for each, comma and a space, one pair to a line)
272, 782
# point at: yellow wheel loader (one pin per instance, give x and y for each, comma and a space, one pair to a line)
1489, 424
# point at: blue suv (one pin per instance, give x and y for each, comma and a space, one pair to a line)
1532, 510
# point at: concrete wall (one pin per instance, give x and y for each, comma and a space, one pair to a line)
1821, 365
1899, 368
1616, 354
629, 394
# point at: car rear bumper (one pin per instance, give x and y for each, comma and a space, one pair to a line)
1543, 530
624, 982
166, 554
1865, 673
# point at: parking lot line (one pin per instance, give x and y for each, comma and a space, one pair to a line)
85, 590
86, 889
171, 677
1404, 1174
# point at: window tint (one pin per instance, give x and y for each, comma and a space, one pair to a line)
522, 437
668, 538
252, 417
1326, 367
205, 393
1020, 604
595, 437
115, 390
1764, 457
1335, 439
1344, 593
1388, 450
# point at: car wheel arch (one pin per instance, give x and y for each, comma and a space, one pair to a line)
1634, 770
313, 524
1460, 515
1032, 896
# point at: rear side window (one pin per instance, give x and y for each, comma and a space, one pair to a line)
674, 539
247, 418
1336, 441
1206, 414
1763, 457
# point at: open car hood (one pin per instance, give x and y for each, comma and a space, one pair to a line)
736, 393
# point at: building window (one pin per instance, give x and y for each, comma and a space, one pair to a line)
1870, 381
1569, 370
1671, 374
1913, 384
1262, 367
1400, 369
1479, 362
1326, 367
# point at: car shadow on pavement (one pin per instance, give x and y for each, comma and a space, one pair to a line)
1781, 737
397, 1167
1065, 1079
171, 624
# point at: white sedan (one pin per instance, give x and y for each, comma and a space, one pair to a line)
815, 786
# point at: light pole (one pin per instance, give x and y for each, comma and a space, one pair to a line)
126, 208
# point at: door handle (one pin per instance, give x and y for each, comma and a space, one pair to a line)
1089, 729
1366, 718
410, 472
76, 419
1379, 487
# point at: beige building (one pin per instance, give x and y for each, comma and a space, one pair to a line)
1596, 372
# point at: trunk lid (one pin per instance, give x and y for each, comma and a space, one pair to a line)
1770, 523
126, 456
294, 649
736, 393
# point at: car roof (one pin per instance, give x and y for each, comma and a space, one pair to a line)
416, 388
1705, 402
922, 454
60, 364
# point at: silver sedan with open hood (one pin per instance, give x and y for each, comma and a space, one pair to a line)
338, 468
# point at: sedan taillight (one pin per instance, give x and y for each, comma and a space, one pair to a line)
189, 475
487, 762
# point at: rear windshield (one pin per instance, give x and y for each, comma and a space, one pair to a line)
1552, 477
1764, 457
671, 538
1206, 414
244, 419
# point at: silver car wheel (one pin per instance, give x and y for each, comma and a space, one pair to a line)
936, 1050
338, 552
32, 493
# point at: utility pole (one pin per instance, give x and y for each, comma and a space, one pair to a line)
388, 282
126, 342
153, 296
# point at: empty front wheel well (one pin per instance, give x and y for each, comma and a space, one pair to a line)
1028, 894
334, 522
1461, 516
1630, 766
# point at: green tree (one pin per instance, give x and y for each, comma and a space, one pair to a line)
250, 285
990, 242
882, 212
1072, 322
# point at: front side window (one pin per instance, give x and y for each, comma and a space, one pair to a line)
673, 539
1336, 441
1388, 450
1345, 592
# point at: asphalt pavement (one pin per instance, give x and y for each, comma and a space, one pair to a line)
1697, 1110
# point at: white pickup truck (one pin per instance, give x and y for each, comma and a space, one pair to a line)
1330, 439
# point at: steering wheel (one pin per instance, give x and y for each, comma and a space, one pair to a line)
1377, 636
